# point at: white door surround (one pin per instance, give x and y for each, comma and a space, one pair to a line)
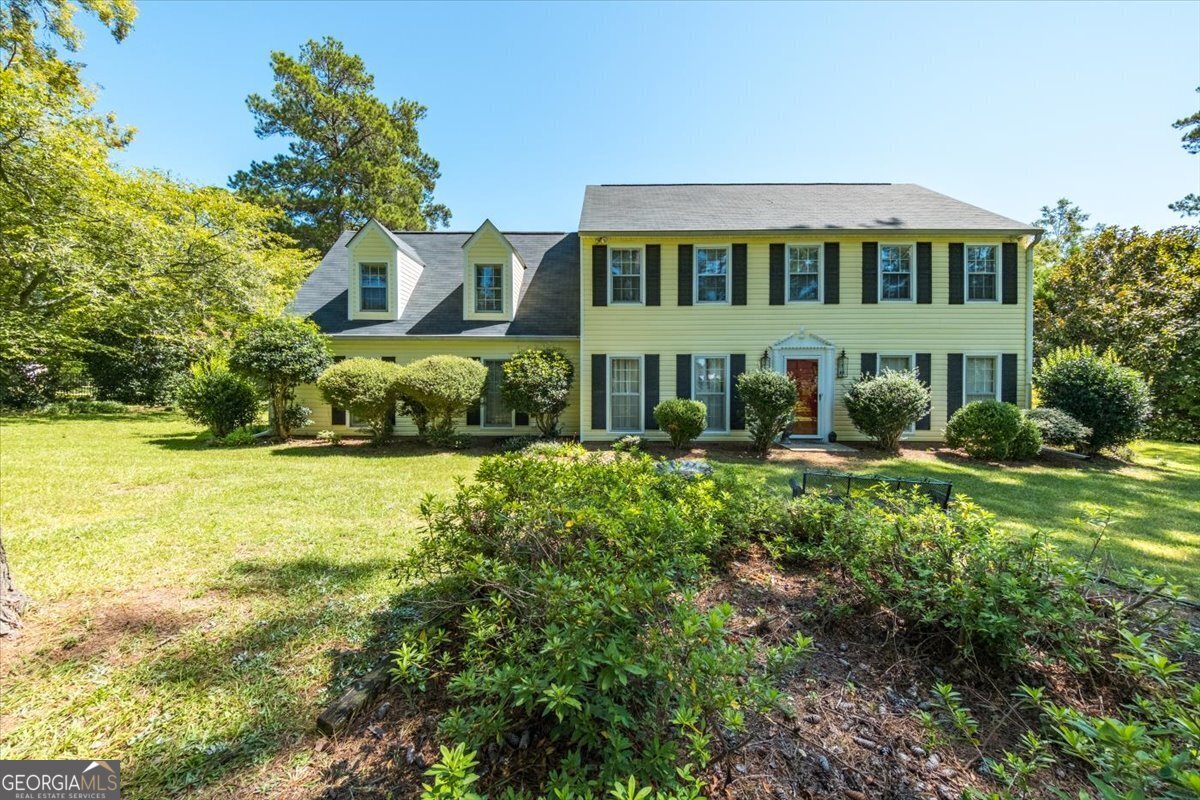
806, 345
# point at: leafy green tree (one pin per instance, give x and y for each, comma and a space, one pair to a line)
368, 387
1189, 206
1138, 294
1063, 224
280, 354
538, 383
351, 156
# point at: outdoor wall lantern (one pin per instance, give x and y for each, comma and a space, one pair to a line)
841, 364
764, 360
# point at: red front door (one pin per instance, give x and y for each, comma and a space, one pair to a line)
803, 372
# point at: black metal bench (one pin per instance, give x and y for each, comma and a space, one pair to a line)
838, 486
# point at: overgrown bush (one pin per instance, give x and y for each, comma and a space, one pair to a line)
368, 388
561, 605
538, 383
280, 354
1111, 399
683, 420
883, 406
218, 399
1058, 428
441, 388
995, 430
770, 401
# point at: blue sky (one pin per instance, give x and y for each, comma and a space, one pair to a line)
1008, 106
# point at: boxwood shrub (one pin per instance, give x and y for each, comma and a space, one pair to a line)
683, 420
995, 430
1112, 400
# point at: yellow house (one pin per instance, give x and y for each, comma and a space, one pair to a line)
675, 290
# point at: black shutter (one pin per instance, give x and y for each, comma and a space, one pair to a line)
392, 413
650, 362
1008, 271
474, 413
522, 419
683, 376
653, 274
954, 383
778, 275
1008, 378
924, 272
737, 408
870, 272
925, 374
833, 273
599, 391
956, 274
599, 275
739, 275
868, 363
685, 274
337, 415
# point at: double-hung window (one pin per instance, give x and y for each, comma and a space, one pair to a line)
982, 261
372, 286
803, 273
494, 413
625, 272
979, 378
896, 272
710, 385
489, 288
712, 274
625, 394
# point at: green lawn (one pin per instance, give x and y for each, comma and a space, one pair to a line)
195, 606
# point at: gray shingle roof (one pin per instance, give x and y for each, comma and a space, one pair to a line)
616, 208
548, 305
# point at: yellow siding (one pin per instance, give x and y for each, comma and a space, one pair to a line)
489, 248
937, 328
407, 350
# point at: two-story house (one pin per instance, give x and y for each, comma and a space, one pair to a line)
675, 290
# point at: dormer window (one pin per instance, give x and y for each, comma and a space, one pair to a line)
372, 286
489, 288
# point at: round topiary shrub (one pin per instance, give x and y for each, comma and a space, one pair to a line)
538, 383
683, 420
1058, 428
994, 430
368, 387
884, 406
218, 399
770, 401
442, 387
280, 354
1111, 399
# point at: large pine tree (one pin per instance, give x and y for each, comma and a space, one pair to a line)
352, 156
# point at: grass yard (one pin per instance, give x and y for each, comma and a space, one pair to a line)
196, 606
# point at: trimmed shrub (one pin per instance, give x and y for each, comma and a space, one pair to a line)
280, 354
1059, 428
883, 406
770, 401
441, 387
538, 383
683, 420
218, 399
368, 388
1112, 400
995, 430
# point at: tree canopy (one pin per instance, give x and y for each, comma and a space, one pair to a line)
1189, 206
351, 155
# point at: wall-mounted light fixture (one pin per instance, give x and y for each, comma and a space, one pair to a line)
841, 364
764, 360
602, 240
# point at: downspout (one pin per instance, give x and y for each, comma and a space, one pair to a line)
584, 363
1037, 237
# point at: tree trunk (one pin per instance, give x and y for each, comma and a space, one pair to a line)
12, 602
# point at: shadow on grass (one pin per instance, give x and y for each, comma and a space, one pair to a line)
179, 441
9, 416
408, 448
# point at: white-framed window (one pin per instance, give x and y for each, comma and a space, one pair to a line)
897, 362
983, 272
710, 385
981, 378
804, 273
625, 275
493, 411
625, 394
489, 288
372, 286
711, 273
896, 268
